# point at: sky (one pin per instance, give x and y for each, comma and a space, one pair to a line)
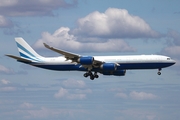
88, 27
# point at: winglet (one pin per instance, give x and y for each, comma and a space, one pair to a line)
51, 48
47, 46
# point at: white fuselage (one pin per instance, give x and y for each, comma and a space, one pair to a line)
106, 65
125, 62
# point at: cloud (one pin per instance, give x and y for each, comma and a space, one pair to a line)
61, 93
63, 40
8, 71
64, 93
26, 105
8, 3
32, 7
74, 83
5, 86
172, 47
113, 23
8, 89
172, 50
76, 96
73, 90
46, 113
121, 95
42, 113
4, 22
133, 95
5, 82
142, 96
173, 44
175, 36
4, 70
100, 32
139, 114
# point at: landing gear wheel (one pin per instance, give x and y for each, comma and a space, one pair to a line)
96, 76
159, 73
92, 77
86, 74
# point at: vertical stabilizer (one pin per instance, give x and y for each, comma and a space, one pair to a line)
26, 51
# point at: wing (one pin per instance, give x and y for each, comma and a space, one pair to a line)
67, 55
74, 57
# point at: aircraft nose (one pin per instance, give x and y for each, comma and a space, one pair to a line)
173, 62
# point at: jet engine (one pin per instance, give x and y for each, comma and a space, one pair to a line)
116, 73
108, 67
86, 60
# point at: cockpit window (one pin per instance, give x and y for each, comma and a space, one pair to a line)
168, 58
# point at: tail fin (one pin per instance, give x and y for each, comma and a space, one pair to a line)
26, 51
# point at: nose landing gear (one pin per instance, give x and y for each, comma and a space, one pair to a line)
159, 73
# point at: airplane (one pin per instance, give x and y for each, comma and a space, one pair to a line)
91, 65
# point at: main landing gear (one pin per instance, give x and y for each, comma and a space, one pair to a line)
92, 76
159, 73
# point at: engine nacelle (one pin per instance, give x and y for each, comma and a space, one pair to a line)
116, 73
108, 67
86, 60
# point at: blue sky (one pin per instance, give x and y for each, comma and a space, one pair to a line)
116, 27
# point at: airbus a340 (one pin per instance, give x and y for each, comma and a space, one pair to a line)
91, 65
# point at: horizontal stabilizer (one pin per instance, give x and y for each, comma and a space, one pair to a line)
19, 59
